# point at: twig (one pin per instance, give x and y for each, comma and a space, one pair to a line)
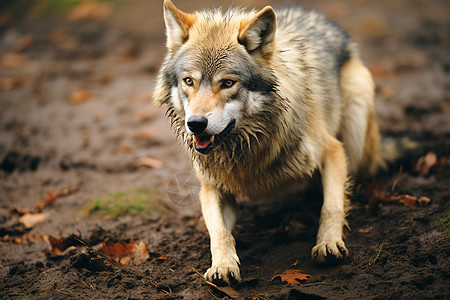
314, 283
379, 252
394, 185
95, 250
229, 291
65, 293
376, 257
89, 287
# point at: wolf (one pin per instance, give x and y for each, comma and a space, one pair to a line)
262, 100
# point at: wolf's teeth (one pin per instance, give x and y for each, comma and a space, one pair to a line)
212, 139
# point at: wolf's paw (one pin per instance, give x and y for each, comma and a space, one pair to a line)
329, 252
223, 275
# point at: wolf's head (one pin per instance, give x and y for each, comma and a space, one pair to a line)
216, 74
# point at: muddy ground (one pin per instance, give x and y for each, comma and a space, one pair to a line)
78, 129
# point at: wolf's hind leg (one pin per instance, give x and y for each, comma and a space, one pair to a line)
219, 214
330, 245
359, 130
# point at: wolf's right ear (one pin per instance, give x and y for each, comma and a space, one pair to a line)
258, 33
177, 25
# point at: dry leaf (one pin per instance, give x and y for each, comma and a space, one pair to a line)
92, 10
145, 97
425, 163
106, 78
67, 191
378, 196
124, 252
58, 35
41, 204
13, 60
387, 91
5, 19
144, 134
10, 83
99, 116
163, 257
145, 116
24, 43
79, 97
61, 246
29, 220
148, 162
126, 148
25, 238
411, 201
140, 252
291, 277
365, 230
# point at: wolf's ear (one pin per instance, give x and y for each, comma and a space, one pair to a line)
177, 25
258, 33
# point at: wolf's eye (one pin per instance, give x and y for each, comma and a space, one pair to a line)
188, 81
227, 83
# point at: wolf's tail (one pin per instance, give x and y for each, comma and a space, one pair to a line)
394, 151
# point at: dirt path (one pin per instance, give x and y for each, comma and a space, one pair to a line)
83, 151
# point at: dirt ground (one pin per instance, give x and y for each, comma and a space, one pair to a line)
79, 136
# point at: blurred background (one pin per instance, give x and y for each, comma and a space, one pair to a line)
76, 78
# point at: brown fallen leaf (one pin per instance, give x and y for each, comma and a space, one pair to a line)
106, 78
24, 238
129, 54
99, 116
53, 196
163, 257
42, 203
61, 246
425, 163
67, 191
124, 252
387, 91
148, 162
5, 19
29, 220
145, 97
125, 148
79, 97
145, 116
58, 35
144, 134
292, 277
366, 229
23, 43
10, 83
91, 10
378, 196
411, 201
140, 252
12, 60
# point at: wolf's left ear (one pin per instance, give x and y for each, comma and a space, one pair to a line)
177, 25
258, 32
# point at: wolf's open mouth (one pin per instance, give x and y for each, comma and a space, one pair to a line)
205, 143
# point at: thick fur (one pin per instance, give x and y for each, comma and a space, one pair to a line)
302, 101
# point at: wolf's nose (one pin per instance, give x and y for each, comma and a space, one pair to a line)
197, 123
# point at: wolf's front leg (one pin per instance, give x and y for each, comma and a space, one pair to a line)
219, 213
329, 246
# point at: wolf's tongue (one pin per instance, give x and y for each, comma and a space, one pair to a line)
202, 142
